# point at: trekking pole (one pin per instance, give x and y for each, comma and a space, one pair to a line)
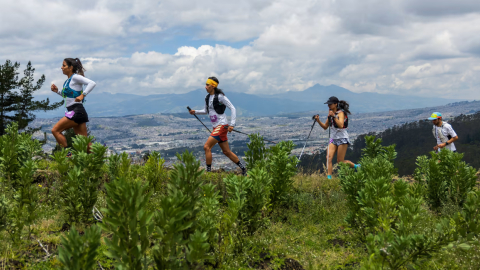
314, 121
249, 135
199, 119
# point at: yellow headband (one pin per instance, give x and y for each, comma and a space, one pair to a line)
212, 82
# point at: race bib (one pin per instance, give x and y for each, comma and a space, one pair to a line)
69, 114
213, 118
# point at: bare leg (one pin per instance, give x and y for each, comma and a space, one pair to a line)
227, 152
81, 129
332, 148
63, 124
342, 150
209, 144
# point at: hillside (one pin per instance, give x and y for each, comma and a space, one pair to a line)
414, 139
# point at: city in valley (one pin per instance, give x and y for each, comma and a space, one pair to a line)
172, 133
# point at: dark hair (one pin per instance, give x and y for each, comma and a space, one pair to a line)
342, 104
217, 90
77, 65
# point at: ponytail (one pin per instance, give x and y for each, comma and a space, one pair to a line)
217, 90
76, 64
343, 105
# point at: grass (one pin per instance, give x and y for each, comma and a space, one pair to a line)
310, 230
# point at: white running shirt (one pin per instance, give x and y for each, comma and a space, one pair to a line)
76, 83
215, 118
446, 130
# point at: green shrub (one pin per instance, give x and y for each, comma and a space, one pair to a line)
388, 215
113, 166
230, 230
281, 167
208, 218
364, 189
4, 211
258, 191
182, 243
444, 178
257, 153
80, 189
468, 220
154, 171
129, 222
16, 150
79, 252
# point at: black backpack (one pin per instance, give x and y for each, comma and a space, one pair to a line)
345, 120
219, 107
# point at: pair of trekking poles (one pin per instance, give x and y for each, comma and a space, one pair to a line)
188, 107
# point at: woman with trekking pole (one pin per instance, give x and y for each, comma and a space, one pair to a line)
215, 104
75, 115
337, 121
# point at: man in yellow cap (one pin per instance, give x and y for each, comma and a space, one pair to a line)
443, 133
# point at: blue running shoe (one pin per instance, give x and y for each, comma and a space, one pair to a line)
329, 176
356, 166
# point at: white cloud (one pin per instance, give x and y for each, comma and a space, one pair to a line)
385, 46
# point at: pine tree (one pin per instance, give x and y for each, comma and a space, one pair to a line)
8, 98
25, 103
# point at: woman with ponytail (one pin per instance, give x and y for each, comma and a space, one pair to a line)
75, 117
337, 120
215, 104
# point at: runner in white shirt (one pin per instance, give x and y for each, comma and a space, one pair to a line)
215, 104
443, 133
76, 116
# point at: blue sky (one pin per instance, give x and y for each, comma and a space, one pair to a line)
406, 47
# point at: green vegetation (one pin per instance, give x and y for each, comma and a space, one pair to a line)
275, 218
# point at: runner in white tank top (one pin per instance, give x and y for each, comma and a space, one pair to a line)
337, 120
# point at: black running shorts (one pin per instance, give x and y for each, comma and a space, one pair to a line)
80, 115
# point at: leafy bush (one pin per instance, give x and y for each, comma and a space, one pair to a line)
154, 171
281, 167
444, 178
257, 153
258, 191
210, 213
364, 189
18, 165
113, 166
129, 222
80, 190
16, 149
388, 215
79, 252
182, 241
468, 220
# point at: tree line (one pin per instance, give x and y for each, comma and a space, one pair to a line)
412, 140
17, 103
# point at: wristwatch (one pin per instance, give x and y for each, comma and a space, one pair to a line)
446, 143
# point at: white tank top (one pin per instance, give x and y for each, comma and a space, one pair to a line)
338, 133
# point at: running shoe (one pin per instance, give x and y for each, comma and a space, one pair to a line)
244, 172
356, 166
69, 154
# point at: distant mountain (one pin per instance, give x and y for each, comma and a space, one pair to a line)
360, 102
311, 99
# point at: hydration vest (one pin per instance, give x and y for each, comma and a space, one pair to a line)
345, 120
219, 107
68, 92
440, 134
